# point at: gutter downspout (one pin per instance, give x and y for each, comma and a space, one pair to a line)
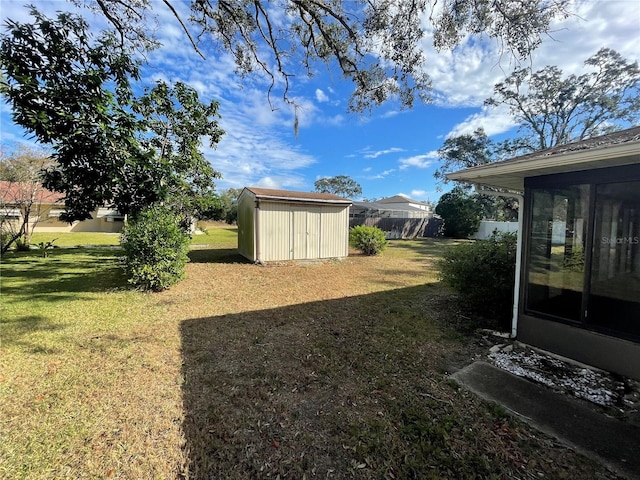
518, 272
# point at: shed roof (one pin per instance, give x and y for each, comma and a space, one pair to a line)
614, 149
293, 196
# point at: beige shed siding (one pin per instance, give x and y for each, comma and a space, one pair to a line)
334, 232
301, 232
297, 229
306, 231
314, 216
274, 237
246, 226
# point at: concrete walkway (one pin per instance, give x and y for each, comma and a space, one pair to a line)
574, 422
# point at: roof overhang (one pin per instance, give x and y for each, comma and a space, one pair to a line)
510, 174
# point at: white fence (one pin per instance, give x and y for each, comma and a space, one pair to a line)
487, 227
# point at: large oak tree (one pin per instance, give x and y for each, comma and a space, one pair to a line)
376, 44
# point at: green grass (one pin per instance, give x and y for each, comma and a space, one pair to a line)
75, 239
335, 370
215, 235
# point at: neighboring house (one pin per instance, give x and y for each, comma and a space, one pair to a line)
397, 206
46, 210
578, 270
277, 225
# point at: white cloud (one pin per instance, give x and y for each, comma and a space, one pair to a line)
418, 193
253, 153
418, 161
466, 75
493, 120
321, 96
378, 153
281, 182
381, 174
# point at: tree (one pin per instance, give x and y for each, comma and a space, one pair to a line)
76, 93
464, 151
460, 212
553, 110
340, 185
471, 150
22, 190
376, 44
229, 200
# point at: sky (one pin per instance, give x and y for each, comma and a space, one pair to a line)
387, 151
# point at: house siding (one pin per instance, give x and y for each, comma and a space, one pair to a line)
608, 353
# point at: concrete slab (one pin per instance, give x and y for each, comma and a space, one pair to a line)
614, 443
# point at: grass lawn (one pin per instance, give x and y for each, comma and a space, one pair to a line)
214, 234
335, 370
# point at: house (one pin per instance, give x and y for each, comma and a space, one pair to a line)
46, 210
578, 270
397, 206
277, 225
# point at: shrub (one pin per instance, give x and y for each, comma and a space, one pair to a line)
44, 247
22, 245
483, 274
155, 249
369, 240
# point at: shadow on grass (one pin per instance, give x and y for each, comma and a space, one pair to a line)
216, 255
318, 389
66, 272
16, 330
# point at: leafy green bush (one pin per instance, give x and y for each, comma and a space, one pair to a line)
483, 274
155, 249
369, 240
460, 212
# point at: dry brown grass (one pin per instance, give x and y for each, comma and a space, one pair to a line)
331, 370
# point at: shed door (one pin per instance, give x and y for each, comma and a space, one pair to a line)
306, 232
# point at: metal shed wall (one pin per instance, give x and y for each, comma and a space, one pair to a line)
274, 234
334, 232
294, 231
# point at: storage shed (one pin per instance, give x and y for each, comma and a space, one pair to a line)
278, 225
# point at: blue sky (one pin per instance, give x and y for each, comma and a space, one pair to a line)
388, 151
